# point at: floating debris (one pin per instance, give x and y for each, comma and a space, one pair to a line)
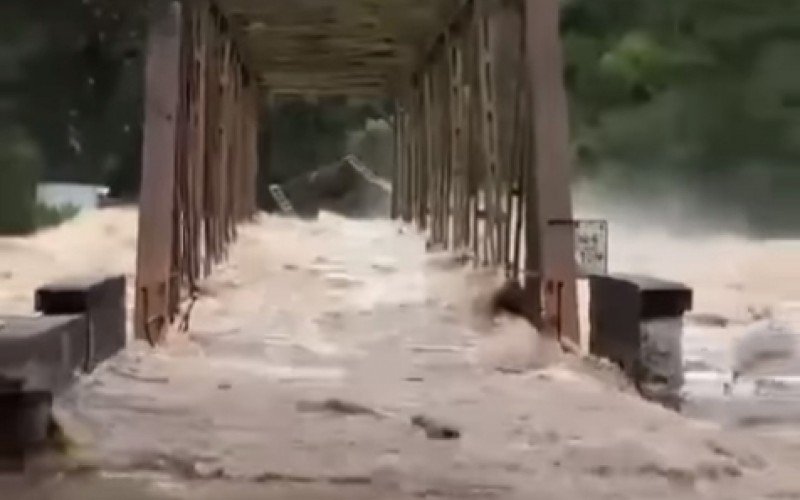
337, 406
435, 429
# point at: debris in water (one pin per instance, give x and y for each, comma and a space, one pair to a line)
186, 467
449, 262
342, 280
759, 313
279, 477
138, 378
708, 319
346, 187
384, 266
698, 365
337, 406
447, 349
769, 385
746, 461
435, 429
349, 480
511, 299
431, 246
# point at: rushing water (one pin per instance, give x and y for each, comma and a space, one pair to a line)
745, 374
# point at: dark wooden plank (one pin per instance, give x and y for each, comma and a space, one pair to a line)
485, 72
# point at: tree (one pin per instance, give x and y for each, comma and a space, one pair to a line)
20, 166
701, 90
76, 87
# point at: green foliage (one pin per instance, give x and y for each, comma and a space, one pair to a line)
693, 89
20, 168
703, 88
725, 66
46, 216
20, 165
73, 80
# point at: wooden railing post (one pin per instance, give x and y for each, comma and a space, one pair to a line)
549, 237
159, 158
199, 157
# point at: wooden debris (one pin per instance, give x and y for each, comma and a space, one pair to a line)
435, 429
337, 406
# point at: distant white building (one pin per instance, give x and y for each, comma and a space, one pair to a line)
59, 194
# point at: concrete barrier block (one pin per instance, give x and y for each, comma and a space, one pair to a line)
24, 422
102, 301
41, 353
636, 321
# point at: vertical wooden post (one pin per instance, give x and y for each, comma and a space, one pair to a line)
417, 133
427, 157
201, 27
439, 161
254, 118
444, 146
396, 160
521, 155
159, 156
408, 159
454, 89
415, 121
549, 186
432, 156
488, 101
473, 188
473, 147
441, 135
402, 159
265, 148
199, 156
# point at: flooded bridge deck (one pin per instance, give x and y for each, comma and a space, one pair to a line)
481, 150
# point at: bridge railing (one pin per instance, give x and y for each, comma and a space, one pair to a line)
200, 157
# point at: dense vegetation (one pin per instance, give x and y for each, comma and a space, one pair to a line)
700, 94
704, 94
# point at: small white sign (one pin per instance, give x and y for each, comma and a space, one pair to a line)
591, 246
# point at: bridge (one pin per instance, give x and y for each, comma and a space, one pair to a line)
317, 369
482, 159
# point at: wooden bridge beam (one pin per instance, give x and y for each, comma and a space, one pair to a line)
487, 168
550, 232
157, 202
199, 157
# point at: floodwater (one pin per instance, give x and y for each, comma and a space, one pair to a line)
311, 352
746, 314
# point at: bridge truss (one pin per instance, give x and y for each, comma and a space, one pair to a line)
482, 159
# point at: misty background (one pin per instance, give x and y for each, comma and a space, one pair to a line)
684, 114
